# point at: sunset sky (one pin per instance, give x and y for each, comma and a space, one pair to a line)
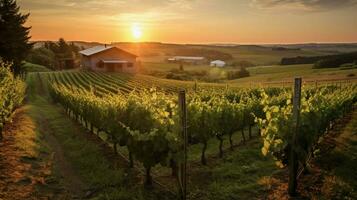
194, 21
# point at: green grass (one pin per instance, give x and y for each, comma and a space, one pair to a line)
30, 67
236, 176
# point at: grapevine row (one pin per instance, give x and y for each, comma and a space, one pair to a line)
105, 83
320, 108
12, 93
146, 121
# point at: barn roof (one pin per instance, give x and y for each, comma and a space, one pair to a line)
101, 48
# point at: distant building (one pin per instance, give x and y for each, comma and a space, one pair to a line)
187, 59
218, 63
108, 59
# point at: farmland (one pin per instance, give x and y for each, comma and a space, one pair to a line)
264, 74
247, 155
226, 156
122, 116
105, 83
277, 73
178, 100
257, 54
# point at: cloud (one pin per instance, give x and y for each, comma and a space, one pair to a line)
110, 20
103, 6
151, 11
307, 5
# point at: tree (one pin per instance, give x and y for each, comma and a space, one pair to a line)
14, 36
42, 56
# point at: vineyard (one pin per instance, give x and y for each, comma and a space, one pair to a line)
104, 83
178, 100
143, 115
12, 93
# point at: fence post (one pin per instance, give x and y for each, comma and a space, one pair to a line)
183, 168
293, 158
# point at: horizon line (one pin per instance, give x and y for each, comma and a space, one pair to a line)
203, 43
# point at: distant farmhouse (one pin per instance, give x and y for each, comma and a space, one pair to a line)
188, 60
217, 63
108, 59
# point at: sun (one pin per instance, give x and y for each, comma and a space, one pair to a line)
136, 31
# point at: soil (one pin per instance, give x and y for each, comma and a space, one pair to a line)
25, 176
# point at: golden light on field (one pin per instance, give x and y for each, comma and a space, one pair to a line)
136, 31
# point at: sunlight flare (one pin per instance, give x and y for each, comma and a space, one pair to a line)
136, 31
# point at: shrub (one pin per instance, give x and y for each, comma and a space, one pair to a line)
235, 74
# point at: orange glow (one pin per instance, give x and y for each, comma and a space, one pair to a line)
236, 21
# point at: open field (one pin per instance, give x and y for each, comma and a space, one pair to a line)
256, 54
265, 74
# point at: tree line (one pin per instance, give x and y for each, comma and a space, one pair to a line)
14, 35
56, 55
328, 61
15, 45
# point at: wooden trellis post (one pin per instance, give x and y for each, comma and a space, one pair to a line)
293, 158
183, 165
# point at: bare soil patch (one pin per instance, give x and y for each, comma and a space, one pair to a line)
25, 170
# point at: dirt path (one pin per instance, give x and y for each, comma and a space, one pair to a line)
65, 171
32, 161
25, 165
70, 179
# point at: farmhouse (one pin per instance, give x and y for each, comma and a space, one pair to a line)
187, 59
217, 63
108, 59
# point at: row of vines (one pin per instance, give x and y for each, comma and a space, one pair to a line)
320, 108
104, 83
292, 133
146, 121
12, 92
